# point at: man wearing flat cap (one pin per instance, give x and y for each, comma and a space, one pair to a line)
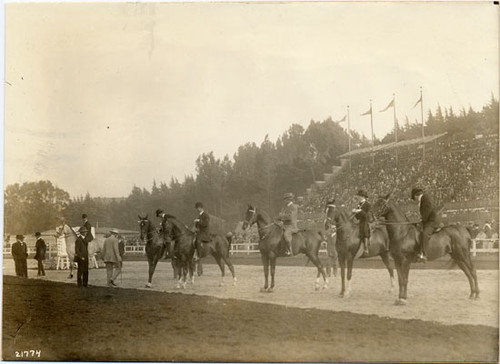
363, 212
289, 214
111, 257
20, 254
430, 219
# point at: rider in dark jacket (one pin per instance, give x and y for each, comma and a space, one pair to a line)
430, 219
363, 213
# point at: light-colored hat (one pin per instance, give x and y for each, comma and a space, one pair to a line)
288, 195
114, 231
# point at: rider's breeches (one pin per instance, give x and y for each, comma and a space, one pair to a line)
427, 230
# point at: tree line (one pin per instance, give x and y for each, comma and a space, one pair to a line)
256, 174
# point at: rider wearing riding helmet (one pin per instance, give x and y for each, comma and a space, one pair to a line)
430, 219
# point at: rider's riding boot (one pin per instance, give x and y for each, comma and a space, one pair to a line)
288, 249
365, 247
421, 258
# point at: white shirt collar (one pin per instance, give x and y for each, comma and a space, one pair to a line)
290, 203
201, 213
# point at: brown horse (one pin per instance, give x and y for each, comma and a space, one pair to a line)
155, 245
218, 247
454, 240
349, 246
273, 245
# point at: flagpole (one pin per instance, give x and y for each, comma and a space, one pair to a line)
349, 135
395, 127
422, 117
373, 140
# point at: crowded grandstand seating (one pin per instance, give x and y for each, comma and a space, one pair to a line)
454, 170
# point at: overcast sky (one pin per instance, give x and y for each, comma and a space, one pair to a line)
100, 97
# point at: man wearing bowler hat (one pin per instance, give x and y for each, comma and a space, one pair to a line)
289, 215
20, 254
201, 223
82, 258
88, 237
363, 212
41, 248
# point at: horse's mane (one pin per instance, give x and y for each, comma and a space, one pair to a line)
265, 216
396, 209
179, 227
343, 214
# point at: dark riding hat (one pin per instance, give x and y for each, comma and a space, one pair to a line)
159, 212
198, 204
415, 192
362, 193
37, 234
330, 202
84, 216
19, 237
288, 196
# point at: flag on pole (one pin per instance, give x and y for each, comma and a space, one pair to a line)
368, 112
391, 104
418, 102
342, 120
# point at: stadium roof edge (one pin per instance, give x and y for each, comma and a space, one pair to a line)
392, 145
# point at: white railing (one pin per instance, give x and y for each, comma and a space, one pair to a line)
478, 246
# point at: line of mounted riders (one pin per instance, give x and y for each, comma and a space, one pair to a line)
366, 231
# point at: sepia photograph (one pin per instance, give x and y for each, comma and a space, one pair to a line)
268, 181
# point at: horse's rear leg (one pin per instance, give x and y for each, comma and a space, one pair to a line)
265, 263
321, 271
465, 268
221, 265
230, 266
387, 263
468, 261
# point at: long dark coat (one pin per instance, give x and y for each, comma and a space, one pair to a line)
202, 227
41, 248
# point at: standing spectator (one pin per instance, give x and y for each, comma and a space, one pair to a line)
82, 259
20, 254
41, 248
111, 257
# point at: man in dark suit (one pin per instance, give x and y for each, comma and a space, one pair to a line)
201, 224
20, 254
88, 237
363, 212
82, 258
41, 248
430, 219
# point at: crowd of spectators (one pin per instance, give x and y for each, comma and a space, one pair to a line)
453, 170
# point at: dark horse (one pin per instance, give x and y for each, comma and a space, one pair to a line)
349, 246
155, 245
404, 238
272, 245
218, 247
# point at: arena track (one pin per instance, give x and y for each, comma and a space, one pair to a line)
438, 324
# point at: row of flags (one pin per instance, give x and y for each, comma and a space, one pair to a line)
370, 111
391, 104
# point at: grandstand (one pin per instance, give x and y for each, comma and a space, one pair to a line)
461, 172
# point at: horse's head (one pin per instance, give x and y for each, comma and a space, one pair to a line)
144, 226
250, 217
381, 207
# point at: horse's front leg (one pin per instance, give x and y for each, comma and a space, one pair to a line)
152, 266
265, 263
342, 263
272, 259
350, 263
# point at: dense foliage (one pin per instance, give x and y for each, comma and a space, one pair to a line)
257, 174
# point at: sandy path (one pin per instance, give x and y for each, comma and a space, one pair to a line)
433, 295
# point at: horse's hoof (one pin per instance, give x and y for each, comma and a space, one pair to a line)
316, 288
234, 282
270, 290
148, 285
221, 284
325, 286
263, 290
400, 302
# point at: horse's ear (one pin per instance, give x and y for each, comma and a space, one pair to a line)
388, 196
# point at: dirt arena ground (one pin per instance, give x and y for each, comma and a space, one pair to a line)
238, 323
